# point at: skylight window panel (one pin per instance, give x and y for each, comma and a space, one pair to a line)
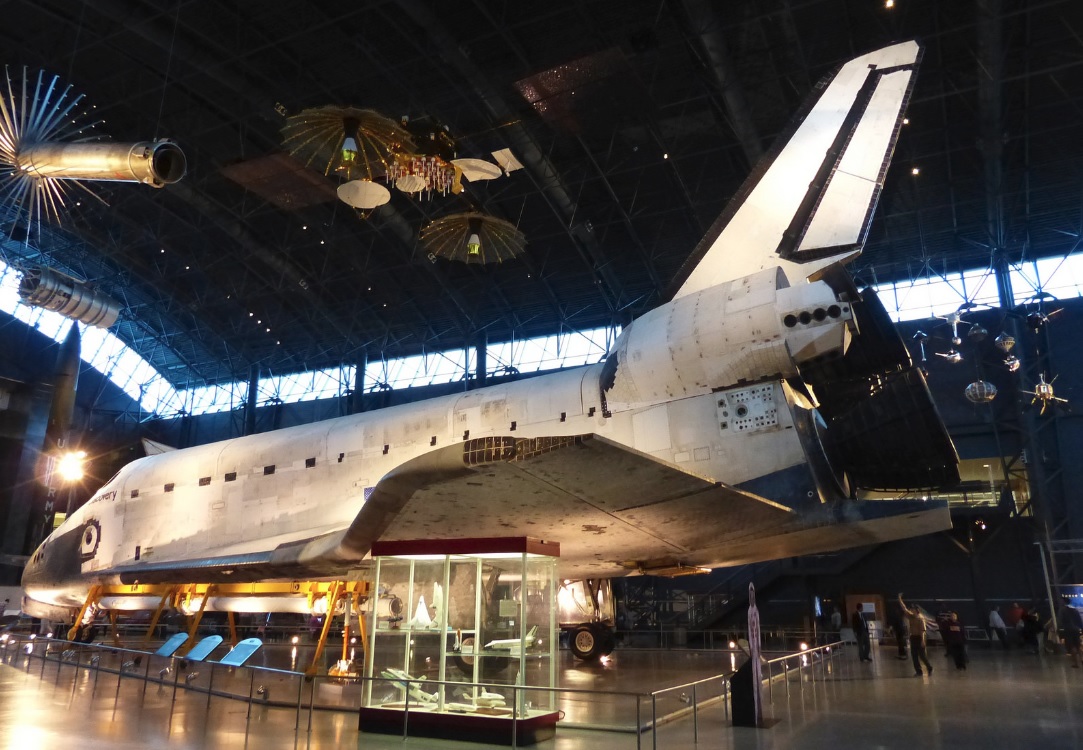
324, 384
1024, 280
1062, 277
160, 397
51, 324
945, 295
981, 287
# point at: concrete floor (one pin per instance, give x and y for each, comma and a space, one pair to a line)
1010, 700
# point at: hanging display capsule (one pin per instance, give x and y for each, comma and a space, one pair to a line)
980, 392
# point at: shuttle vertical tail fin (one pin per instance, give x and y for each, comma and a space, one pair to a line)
809, 202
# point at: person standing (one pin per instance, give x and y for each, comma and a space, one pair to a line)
1032, 631
955, 640
943, 617
898, 624
861, 633
836, 620
916, 620
1013, 620
1072, 622
998, 626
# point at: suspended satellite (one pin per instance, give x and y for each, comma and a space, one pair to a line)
472, 238
954, 319
1034, 310
1043, 393
1005, 343
48, 144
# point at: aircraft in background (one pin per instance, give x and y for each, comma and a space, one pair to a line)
735, 423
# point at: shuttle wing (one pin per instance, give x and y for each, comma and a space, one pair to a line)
612, 509
615, 510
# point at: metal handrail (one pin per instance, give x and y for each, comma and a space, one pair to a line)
89, 656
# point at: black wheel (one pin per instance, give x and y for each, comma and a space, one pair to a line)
585, 643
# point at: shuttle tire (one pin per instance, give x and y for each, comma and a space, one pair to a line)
585, 642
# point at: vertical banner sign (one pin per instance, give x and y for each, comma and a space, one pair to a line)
754, 653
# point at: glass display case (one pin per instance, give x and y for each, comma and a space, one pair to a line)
463, 638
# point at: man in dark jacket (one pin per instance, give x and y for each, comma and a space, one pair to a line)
955, 640
861, 633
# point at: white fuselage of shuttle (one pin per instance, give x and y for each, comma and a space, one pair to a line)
258, 492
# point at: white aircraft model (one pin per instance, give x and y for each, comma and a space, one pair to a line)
732, 424
514, 644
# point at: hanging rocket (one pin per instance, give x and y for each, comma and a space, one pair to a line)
58, 442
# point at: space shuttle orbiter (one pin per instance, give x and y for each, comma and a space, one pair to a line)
732, 424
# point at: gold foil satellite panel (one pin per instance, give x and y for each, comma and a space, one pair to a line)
450, 237
318, 138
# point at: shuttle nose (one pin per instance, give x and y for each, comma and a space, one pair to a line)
55, 561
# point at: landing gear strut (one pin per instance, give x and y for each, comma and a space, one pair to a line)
586, 615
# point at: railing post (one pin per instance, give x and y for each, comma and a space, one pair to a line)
75, 677
146, 676
654, 721
120, 676
300, 694
514, 716
210, 688
97, 671
695, 716
311, 700
251, 693
639, 724
726, 696
406, 707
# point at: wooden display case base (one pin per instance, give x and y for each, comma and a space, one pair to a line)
468, 727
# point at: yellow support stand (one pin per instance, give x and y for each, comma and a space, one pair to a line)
158, 614
92, 598
332, 599
182, 595
113, 627
196, 618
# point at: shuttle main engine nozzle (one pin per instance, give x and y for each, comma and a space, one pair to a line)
53, 290
155, 163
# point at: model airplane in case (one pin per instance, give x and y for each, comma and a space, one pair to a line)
732, 424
